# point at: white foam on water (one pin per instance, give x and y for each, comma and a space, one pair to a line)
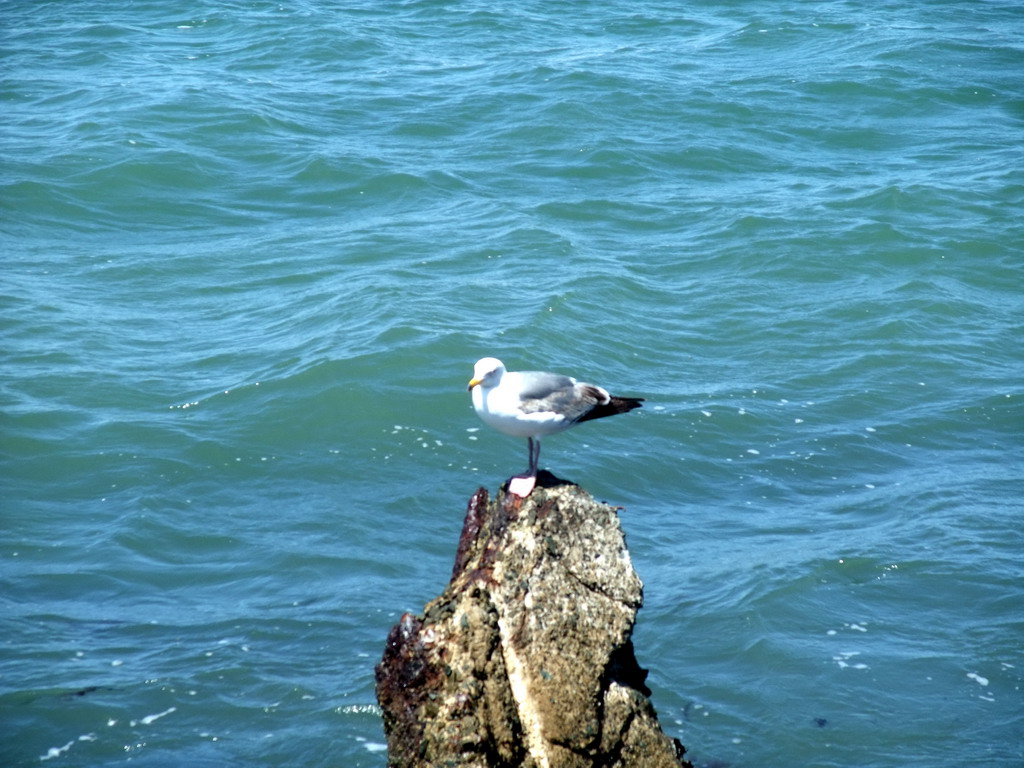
371, 746
150, 719
977, 678
359, 709
842, 660
53, 752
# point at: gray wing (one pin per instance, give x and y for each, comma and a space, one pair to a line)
538, 385
541, 391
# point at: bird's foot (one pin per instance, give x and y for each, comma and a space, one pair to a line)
522, 485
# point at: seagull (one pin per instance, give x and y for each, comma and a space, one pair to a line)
534, 403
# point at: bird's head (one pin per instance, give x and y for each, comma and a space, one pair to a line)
488, 372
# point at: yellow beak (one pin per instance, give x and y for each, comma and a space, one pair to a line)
473, 383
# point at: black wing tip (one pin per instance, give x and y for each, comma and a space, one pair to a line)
627, 403
613, 407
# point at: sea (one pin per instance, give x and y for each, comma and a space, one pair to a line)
252, 249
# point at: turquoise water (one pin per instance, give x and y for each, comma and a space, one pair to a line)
252, 251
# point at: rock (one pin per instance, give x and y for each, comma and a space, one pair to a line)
526, 659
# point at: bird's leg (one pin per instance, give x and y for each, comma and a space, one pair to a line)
523, 485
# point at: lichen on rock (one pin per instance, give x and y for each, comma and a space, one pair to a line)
526, 659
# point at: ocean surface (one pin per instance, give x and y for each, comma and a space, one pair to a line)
251, 251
